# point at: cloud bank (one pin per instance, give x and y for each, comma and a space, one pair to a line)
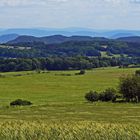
103, 14
43, 2
26, 2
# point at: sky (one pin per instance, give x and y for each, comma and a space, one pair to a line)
96, 14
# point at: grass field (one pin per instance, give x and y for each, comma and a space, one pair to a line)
58, 103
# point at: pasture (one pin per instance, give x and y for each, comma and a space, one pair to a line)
59, 104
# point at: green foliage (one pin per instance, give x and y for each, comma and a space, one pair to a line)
63, 63
108, 95
92, 96
137, 73
82, 72
20, 102
130, 88
73, 47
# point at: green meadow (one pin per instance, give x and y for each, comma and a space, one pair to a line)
59, 110
56, 95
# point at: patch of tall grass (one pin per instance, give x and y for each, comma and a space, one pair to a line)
86, 130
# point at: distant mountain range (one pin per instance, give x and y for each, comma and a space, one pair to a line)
54, 36
41, 32
8, 37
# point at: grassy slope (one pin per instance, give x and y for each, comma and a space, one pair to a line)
58, 97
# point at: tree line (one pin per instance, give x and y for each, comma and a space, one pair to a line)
63, 63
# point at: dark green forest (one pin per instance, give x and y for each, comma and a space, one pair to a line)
73, 48
64, 63
70, 55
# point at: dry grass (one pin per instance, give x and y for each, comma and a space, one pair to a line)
85, 130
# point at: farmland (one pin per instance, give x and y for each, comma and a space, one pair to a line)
59, 104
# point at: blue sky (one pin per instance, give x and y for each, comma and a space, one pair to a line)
96, 14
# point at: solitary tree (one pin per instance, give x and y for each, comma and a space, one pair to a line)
130, 88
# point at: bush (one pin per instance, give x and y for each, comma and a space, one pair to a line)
108, 95
82, 72
92, 96
20, 102
137, 73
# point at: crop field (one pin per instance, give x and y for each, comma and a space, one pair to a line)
68, 131
59, 110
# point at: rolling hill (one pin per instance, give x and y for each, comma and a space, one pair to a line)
56, 39
59, 45
132, 39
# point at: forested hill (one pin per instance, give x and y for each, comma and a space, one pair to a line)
55, 39
132, 39
64, 53
59, 45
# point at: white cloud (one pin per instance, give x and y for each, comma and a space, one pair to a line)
16, 2
123, 1
67, 13
44, 2
26, 2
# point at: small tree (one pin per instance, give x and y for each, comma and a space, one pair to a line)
92, 96
130, 88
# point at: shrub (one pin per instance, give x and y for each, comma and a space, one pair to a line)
137, 73
108, 95
92, 96
82, 72
20, 102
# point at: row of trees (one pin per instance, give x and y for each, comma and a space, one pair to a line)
74, 48
62, 63
129, 91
